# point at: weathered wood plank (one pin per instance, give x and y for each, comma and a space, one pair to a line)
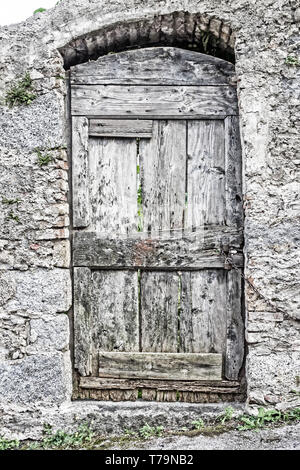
160, 365
190, 102
121, 395
80, 171
162, 163
158, 65
158, 311
154, 395
113, 185
83, 342
114, 304
205, 174
148, 394
202, 318
233, 171
120, 128
105, 315
235, 337
101, 383
191, 251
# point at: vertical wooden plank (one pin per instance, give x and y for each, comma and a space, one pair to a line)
163, 163
113, 186
121, 395
105, 315
114, 306
159, 311
82, 322
80, 172
233, 171
202, 323
149, 394
205, 174
235, 327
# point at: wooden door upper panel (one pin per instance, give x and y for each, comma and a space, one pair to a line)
154, 101
157, 82
183, 175
152, 66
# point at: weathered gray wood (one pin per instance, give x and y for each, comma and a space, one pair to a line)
160, 365
120, 128
114, 395
162, 162
205, 174
164, 197
83, 339
158, 311
80, 170
149, 394
235, 337
233, 170
105, 314
113, 185
114, 305
202, 318
192, 251
190, 102
220, 386
158, 65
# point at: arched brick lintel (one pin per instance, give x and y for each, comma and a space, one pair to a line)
181, 29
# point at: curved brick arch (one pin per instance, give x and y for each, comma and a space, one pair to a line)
181, 29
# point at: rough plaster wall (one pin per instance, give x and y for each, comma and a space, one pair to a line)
35, 287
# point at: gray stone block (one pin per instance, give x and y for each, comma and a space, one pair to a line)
35, 379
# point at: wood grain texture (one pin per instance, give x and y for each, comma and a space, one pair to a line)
190, 102
113, 186
164, 197
161, 366
235, 335
105, 314
158, 395
202, 319
125, 128
105, 395
158, 65
80, 172
101, 383
205, 174
191, 251
233, 170
83, 339
162, 163
158, 311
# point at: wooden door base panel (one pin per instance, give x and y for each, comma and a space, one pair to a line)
95, 388
161, 366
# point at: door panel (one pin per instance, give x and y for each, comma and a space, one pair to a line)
159, 311
163, 179
206, 174
157, 201
106, 315
202, 317
180, 250
164, 102
152, 366
113, 186
80, 172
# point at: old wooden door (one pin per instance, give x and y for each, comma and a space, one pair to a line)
156, 201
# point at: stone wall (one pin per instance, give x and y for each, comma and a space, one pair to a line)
35, 283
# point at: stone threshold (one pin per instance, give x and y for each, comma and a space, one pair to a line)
106, 418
